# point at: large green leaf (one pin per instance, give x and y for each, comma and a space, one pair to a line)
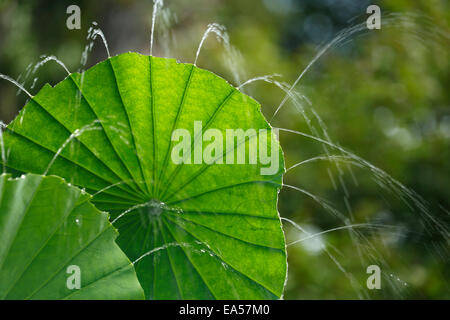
193, 230
48, 228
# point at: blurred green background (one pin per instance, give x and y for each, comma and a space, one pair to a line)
384, 94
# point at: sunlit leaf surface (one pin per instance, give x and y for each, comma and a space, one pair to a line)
194, 231
47, 228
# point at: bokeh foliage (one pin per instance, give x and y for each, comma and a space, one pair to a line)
383, 95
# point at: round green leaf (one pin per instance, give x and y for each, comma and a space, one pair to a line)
50, 234
194, 230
